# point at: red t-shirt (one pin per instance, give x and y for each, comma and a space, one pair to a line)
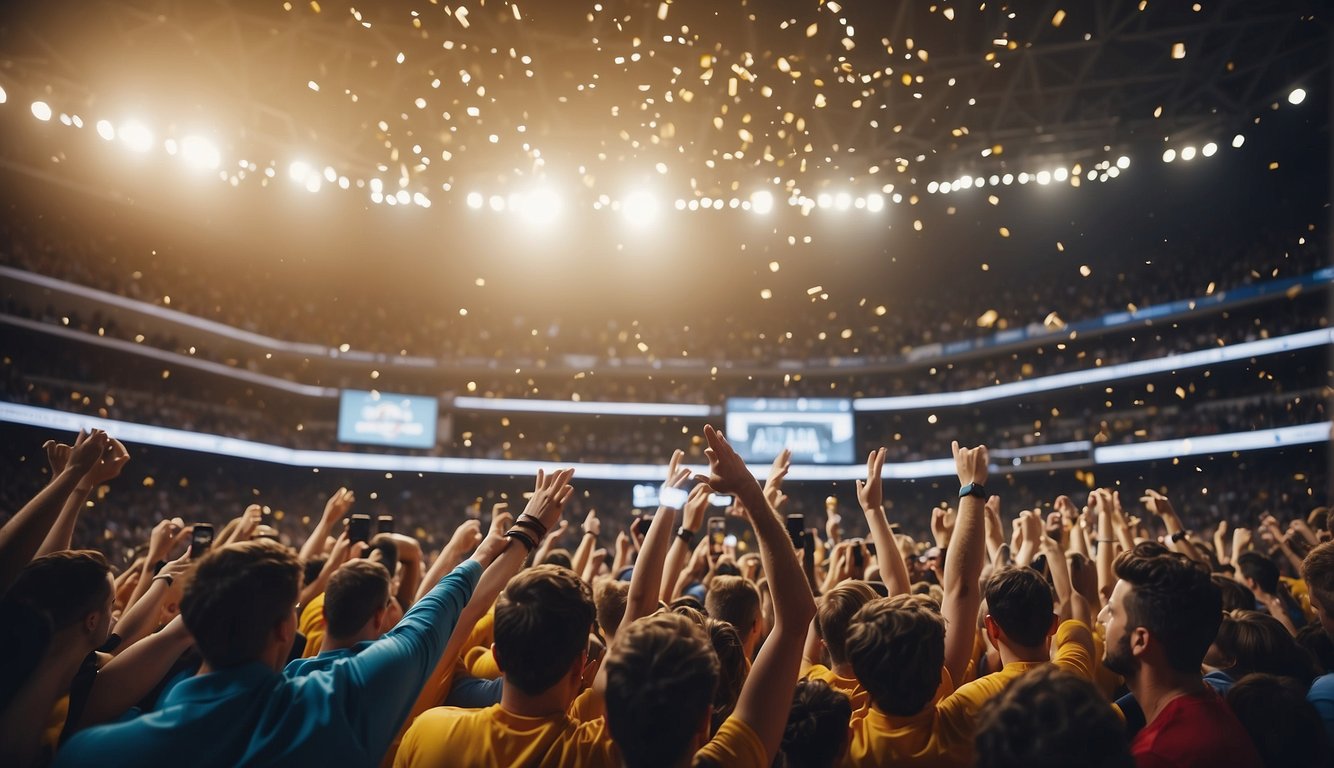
1195, 731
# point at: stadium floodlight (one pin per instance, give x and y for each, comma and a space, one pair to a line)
106, 130
476, 201
932, 187
539, 206
1296, 96
3, 96
497, 203
1123, 162
41, 110
1044, 177
136, 136
762, 201
875, 202
1187, 153
640, 208
200, 152
843, 201
299, 171
1209, 149
1237, 141
824, 200
1169, 155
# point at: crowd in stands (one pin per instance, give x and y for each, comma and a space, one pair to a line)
422, 327
1105, 629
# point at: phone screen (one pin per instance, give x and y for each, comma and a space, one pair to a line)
796, 528
858, 560
359, 528
200, 540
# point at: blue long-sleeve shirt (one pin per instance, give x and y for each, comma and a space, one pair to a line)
346, 714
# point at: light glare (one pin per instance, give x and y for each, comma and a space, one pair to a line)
41, 110
136, 136
1297, 96
762, 201
200, 152
640, 208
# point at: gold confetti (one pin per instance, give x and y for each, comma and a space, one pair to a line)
1057, 18
1085, 271
1004, 231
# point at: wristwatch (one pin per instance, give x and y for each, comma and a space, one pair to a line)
973, 489
1178, 536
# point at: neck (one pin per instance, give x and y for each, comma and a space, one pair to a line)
553, 701
1155, 689
1012, 653
64, 655
339, 643
844, 669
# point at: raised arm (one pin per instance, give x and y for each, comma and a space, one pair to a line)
692, 520
871, 496
1158, 504
22, 536
767, 694
963, 566
467, 536
334, 510
106, 469
646, 581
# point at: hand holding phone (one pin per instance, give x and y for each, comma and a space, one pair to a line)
796, 530
717, 536
200, 540
359, 529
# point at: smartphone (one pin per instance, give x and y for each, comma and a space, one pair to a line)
858, 560
796, 530
359, 528
384, 524
266, 515
717, 535
200, 540
641, 525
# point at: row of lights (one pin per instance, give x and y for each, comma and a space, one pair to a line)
542, 205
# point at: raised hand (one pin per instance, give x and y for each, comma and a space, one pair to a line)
972, 464
692, 516
727, 472
164, 537
870, 491
1157, 503
57, 455
773, 484
338, 505
591, 523
942, 525
87, 450
549, 496
109, 465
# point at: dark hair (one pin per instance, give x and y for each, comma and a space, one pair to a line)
1259, 569
734, 600
388, 549
66, 586
1286, 728
355, 592
1258, 642
238, 594
559, 557
661, 677
726, 569
1050, 718
816, 734
837, 607
541, 627
1175, 600
1317, 642
897, 649
310, 569
1021, 602
1235, 594
732, 668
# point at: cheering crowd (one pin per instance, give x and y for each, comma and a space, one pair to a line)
1103, 633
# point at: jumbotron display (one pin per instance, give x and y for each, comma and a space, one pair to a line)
816, 430
385, 418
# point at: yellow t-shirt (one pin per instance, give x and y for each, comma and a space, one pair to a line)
1104, 679
493, 737
312, 626
848, 686
942, 734
481, 662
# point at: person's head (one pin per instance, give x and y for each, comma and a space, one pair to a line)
837, 607
541, 629
384, 550
74, 589
1020, 608
897, 648
1250, 641
559, 557
1285, 728
1164, 612
1318, 571
355, 602
732, 668
661, 676
239, 607
1050, 718
609, 597
1235, 595
1312, 637
1317, 519
816, 735
736, 601
1259, 572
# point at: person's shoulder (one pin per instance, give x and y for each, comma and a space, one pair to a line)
735, 744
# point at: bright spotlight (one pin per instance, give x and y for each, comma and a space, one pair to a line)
1060, 174
497, 203
1169, 155
932, 187
1188, 153
540, 206
1237, 141
200, 152
1209, 149
1044, 177
41, 110
3, 96
476, 201
136, 136
762, 201
875, 202
313, 182
824, 200
1023, 178
1007, 179
1123, 162
640, 208
842, 201
299, 171
106, 130
1296, 96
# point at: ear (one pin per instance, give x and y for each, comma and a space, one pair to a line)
1140, 641
495, 654
993, 631
91, 621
